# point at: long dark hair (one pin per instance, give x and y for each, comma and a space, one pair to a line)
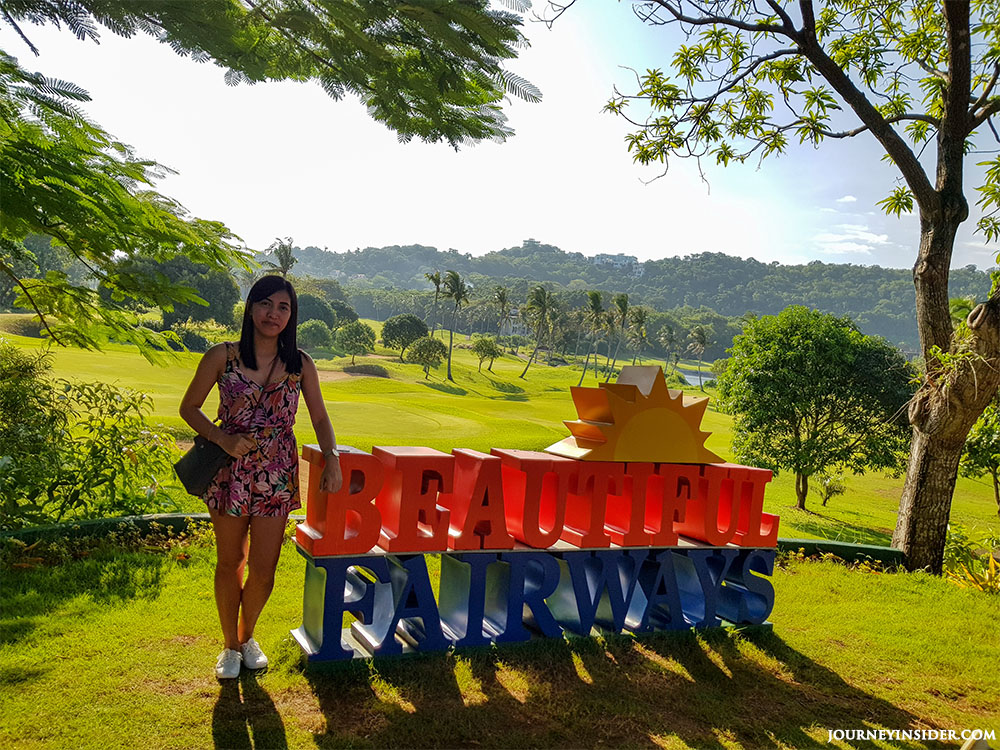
288, 349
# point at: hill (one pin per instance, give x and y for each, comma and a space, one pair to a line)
880, 300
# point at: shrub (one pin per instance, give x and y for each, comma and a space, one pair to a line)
21, 325
75, 450
367, 369
314, 334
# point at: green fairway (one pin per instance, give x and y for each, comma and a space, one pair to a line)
116, 650
483, 410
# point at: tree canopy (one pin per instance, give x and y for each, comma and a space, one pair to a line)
426, 69
400, 331
809, 392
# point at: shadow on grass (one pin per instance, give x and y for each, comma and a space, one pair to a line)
505, 387
454, 390
836, 530
244, 716
710, 690
29, 596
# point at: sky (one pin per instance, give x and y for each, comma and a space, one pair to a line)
283, 159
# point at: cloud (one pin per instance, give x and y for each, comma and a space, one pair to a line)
851, 239
847, 199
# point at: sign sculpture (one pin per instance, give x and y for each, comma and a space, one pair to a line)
629, 524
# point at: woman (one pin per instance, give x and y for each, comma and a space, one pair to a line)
250, 499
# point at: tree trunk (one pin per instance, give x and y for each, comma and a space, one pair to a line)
996, 487
950, 400
451, 338
801, 490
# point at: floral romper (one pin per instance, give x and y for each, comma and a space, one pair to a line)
265, 481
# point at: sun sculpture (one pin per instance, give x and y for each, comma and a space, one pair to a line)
630, 524
636, 419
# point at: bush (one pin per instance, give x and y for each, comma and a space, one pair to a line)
21, 325
314, 334
75, 450
366, 369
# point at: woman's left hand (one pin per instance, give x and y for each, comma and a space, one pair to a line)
332, 478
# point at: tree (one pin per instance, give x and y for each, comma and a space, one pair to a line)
400, 331
427, 353
809, 391
356, 338
921, 78
540, 307
314, 334
501, 298
982, 449
66, 178
435, 279
638, 317
593, 316
458, 292
433, 72
343, 313
485, 348
620, 303
284, 257
671, 345
699, 339
312, 307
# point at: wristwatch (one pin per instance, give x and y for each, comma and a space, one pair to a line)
331, 452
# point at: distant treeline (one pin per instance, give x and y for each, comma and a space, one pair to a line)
880, 300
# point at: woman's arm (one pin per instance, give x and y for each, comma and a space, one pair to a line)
209, 369
332, 479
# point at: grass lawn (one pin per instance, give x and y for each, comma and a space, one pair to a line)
117, 649
498, 409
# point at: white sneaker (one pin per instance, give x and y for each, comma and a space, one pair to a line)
228, 665
253, 657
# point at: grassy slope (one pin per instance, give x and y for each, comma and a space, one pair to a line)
116, 651
498, 409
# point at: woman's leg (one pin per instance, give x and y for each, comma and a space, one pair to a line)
230, 560
266, 537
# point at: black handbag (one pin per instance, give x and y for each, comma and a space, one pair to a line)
197, 468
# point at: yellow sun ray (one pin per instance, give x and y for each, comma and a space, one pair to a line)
636, 419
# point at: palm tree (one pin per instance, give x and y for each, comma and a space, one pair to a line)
435, 279
593, 315
282, 249
458, 292
540, 306
669, 341
621, 304
638, 317
699, 339
501, 298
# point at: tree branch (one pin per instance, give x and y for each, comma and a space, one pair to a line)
894, 145
20, 33
889, 121
710, 20
13, 277
986, 91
